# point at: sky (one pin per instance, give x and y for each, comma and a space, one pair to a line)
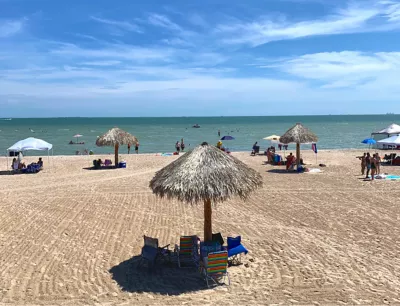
198, 58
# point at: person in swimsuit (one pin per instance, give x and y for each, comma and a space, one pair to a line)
368, 163
378, 163
363, 163
182, 145
129, 148
177, 146
137, 148
373, 167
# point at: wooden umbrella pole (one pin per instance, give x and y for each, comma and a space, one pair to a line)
298, 154
116, 155
207, 221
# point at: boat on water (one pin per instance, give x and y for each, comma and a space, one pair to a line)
75, 143
6, 119
196, 126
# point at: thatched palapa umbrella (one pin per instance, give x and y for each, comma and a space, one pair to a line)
205, 174
115, 138
298, 134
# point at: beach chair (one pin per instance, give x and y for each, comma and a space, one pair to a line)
187, 251
235, 250
151, 251
216, 268
209, 247
107, 162
218, 238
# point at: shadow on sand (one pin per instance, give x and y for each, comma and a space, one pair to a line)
102, 168
10, 172
165, 279
282, 171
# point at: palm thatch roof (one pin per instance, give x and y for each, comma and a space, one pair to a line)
116, 136
298, 134
205, 173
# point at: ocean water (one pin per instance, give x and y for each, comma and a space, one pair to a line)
160, 134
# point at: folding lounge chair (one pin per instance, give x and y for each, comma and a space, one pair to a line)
216, 267
235, 250
187, 251
151, 251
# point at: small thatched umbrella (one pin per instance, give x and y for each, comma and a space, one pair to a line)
298, 134
205, 174
115, 138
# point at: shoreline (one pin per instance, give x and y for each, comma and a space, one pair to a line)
233, 153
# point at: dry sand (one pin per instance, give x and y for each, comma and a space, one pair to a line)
73, 236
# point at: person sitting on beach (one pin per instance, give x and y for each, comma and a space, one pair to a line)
15, 164
40, 163
219, 144
363, 162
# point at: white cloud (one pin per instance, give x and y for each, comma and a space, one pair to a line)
163, 21
101, 63
356, 18
10, 27
121, 25
176, 41
344, 69
117, 52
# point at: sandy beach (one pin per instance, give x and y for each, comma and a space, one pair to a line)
73, 236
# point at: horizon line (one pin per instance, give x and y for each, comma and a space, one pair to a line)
99, 117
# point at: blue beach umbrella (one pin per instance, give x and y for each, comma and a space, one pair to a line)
369, 141
228, 138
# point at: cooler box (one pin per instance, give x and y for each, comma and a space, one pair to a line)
122, 165
277, 158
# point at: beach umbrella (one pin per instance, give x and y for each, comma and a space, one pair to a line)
272, 137
228, 137
205, 174
298, 134
77, 136
369, 141
115, 138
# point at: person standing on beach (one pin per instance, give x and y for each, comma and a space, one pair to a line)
363, 163
177, 146
378, 163
368, 163
182, 145
137, 147
373, 167
129, 148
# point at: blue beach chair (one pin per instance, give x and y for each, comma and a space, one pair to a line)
235, 250
151, 251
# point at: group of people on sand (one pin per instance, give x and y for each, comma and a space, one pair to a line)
18, 164
371, 164
180, 146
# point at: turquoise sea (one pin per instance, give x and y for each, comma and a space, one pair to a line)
160, 134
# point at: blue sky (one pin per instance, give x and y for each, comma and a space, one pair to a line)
198, 58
